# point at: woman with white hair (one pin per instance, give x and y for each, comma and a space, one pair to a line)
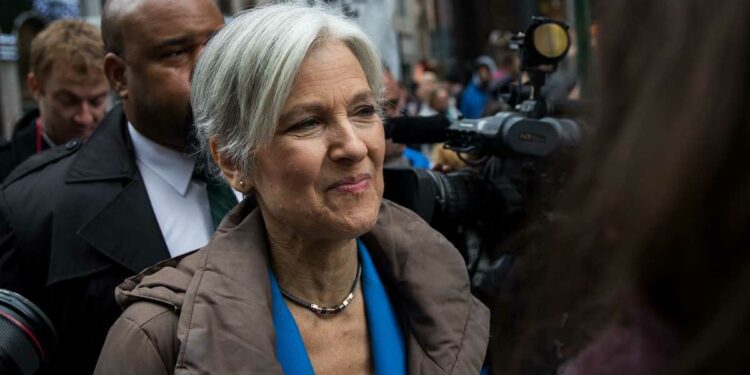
324, 276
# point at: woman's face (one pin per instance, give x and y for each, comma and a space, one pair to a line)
321, 176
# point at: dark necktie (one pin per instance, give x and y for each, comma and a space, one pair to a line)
221, 198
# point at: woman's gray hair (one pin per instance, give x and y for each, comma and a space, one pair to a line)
246, 73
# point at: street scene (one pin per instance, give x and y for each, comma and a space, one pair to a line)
373, 187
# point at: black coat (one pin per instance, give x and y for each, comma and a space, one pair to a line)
74, 222
21, 146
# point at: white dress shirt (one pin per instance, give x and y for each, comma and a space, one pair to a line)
179, 202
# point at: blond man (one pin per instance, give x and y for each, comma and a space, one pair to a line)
68, 83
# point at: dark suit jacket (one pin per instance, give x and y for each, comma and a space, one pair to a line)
21, 146
74, 222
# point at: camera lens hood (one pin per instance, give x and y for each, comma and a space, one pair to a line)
26, 335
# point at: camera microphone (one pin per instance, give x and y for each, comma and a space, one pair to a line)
409, 130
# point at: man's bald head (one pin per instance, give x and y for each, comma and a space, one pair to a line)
115, 11
153, 47
115, 16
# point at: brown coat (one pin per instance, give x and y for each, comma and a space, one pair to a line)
209, 312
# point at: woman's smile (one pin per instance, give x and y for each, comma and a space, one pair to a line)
352, 184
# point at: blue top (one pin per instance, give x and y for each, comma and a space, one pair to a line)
473, 101
386, 338
416, 159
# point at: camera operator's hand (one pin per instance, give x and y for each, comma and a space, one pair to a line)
445, 160
443, 168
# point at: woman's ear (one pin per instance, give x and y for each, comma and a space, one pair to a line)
230, 170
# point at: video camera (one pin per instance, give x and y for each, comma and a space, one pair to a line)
512, 162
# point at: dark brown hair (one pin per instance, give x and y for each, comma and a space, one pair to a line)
658, 213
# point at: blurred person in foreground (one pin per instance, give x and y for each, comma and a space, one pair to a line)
324, 276
81, 218
650, 271
68, 83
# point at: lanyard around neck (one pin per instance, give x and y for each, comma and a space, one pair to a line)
39, 134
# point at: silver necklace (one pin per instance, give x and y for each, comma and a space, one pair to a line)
324, 310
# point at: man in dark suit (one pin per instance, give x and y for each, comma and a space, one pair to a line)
68, 83
76, 220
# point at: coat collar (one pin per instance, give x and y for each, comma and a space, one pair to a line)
25, 125
126, 230
228, 304
448, 327
108, 154
122, 225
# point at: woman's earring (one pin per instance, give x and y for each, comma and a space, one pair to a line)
242, 183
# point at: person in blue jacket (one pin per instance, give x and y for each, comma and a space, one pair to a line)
477, 92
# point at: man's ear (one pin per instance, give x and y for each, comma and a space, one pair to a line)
32, 82
114, 69
230, 170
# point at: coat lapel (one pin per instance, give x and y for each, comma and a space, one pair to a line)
230, 304
126, 231
124, 228
438, 298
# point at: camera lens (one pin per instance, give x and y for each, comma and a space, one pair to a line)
462, 195
26, 335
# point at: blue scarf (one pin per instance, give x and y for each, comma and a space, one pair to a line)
386, 338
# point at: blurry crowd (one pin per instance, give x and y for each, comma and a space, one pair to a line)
483, 93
